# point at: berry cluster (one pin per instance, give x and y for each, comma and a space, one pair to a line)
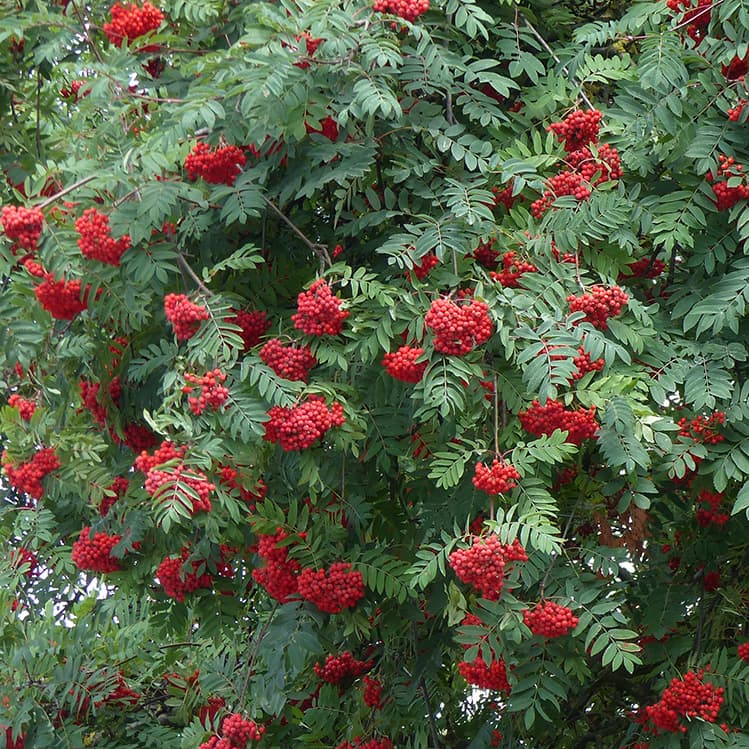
332, 589
95, 554
727, 196
129, 22
229, 477
513, 268
299, 427
288, 362
493, 676
578, 129
402, 364
598, 306
25, 406
74, 92
278, 575
498, 479
328, 128
734, 114
96, 242
27, 477
646, 268
504, 196
176, 582
486, 255
408, 9
689, 697
254, 326
22, 225
90, 398
139, 437
217, 166
341, 668
703, 429
184, 315
165, 452
213, 393
421, 271
737, 68
585, 364
238, 731
549, 619
372, 694
483, 563
708, 513
744, 651
579, 425
310, 45
23, 556
116, 491
62, 299
383, 743
319, 311
458, 329
696, 16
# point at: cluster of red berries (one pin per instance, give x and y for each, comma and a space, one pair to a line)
165, 452
25, 406
492, 676
734, 114
236, 731
696, 16
484, 562
504, 196
288, 362
62, 299
96, 241
184, 315
138, 437
408, 9
737, 68
90, 398
402, 364
744, 651
703, 429
95, 554
310, 46
599, 305
332, 589
254, 326
513, 268
176, 582
22, 556
129, 22
372, 694
689, 697
229, 477
116, 491
217, 166
421, 271
22, 225
580, 424
585, 364
328, 128
486, 255
645, 268
74, 92
299, 427
458, 329
708, 513
498, 479
27, 477
278, 575
578, 129
727, 196
711, 581
319, 311
549, 619
382, 743
213, 392
341, 668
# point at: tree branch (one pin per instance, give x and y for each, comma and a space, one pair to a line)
321, 250
185, 268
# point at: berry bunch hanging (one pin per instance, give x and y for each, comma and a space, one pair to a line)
25, 406
213, 392
578, 129
695, 16
299, 427
176, 582
328, 128
95, 553
707, 509
319, 311
217, 166
22, 225
278, 575
372, 692
422, 269
27, 477
458, 329
408, 9
402, 364
184, 315
288, 362
23, 557
549, 619
130, 21
703, 429
727, 194
579, 424
483, 564
332, 589
237, 731
492, 676
599, 305
230, 476
62, 299
498, 479
381, 743
513, 269
96, 241
341, 668
254, 326
743, 651
486, 255
585, 364
116, 491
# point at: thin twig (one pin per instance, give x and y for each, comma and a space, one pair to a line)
185, 267
66, 190
321, 250
84, 26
